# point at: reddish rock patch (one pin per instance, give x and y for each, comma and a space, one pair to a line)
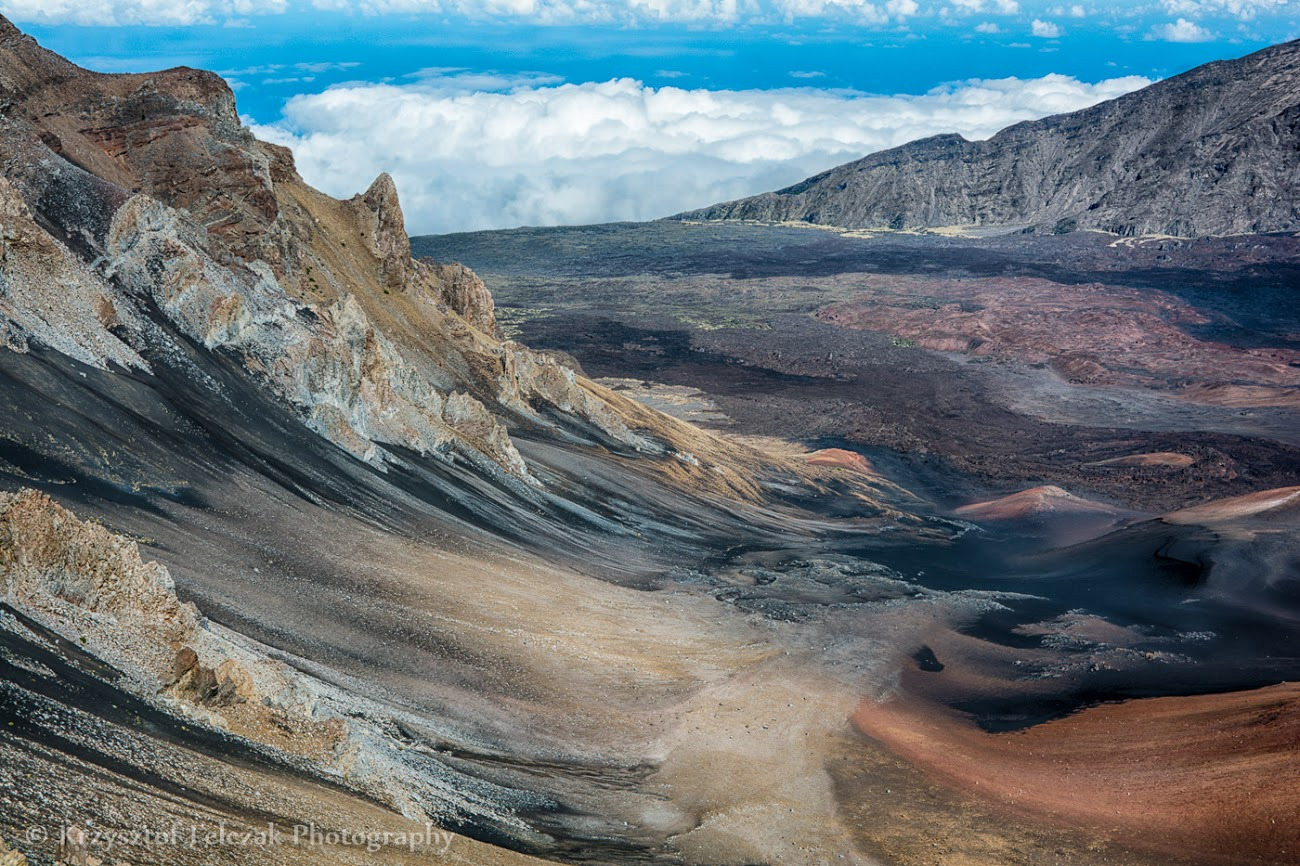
1094, 334
1212, 778
1236, 507
842, 459
1034, 502
1157, 458
1242, 396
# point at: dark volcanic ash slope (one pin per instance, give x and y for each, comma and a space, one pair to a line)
1212, 151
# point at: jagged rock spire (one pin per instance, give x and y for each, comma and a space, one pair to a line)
384, 230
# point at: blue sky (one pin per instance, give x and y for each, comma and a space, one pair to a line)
636, 81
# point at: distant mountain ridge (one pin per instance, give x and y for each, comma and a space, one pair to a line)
1210, 152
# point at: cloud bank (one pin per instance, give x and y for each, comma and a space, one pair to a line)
155, 12
1244, 10
716, 13
537, 154
184, 12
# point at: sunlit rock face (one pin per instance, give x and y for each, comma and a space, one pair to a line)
1209, 152
141, 192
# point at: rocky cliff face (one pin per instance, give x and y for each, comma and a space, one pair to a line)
139, 215
1213, 151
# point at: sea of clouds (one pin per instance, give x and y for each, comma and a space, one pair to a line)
475, 151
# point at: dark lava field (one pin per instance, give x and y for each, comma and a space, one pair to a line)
732, 310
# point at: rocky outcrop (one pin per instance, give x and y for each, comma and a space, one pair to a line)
144, 199
228, 684
383, 228
53, 563
92, 585
86, 323
90, 588
1209, 152
462, 291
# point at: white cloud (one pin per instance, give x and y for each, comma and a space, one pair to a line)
619, 150
326, 66
161, 12
638, 11
1181, 30
449, 79
862, 10
715, 12
641, 11
1045, 29
987, 27
969, 7
1244, 10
